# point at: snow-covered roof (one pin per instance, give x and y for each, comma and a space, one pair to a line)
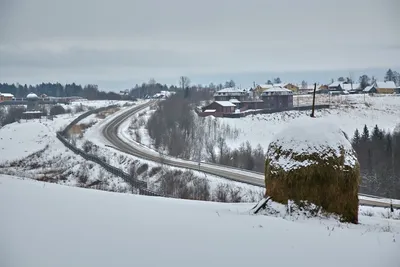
265, 86
32, 112
277, 90
31, 96
280, 84
335, 84
231, 91
234, 100
308, 136
349, 86
368, 88
6, 94
210, 110
225, 103
386, 85
345, 86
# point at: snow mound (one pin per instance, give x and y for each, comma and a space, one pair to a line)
289, 148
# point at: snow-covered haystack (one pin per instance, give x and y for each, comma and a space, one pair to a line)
313, 161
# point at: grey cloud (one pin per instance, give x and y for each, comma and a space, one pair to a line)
158, 37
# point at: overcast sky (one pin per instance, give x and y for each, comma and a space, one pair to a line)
118, 43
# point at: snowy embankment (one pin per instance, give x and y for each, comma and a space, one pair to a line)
51, 225
353, 113
31, 149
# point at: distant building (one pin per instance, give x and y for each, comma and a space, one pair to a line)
335, 86
219, 108
370, 90
261, 88
34, 114
33, 102
351, 88
292, 87
388, 87
6, 97
229, 93
277, 98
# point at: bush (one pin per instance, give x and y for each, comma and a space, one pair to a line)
14, 114
79, 108
142, 169
154, 171
221, 193
87, 146
57, 110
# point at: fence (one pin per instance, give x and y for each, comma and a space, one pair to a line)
140, 185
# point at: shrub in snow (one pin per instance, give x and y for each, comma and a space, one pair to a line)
314, 161
57, 110
144, 167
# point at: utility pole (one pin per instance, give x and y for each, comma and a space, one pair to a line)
313, 101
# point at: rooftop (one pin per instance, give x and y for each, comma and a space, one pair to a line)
388, 85
277, 90
368, 88
234, 100
6, 94
225, 103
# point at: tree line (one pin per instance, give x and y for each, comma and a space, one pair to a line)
378, 153
365, 80
89, 91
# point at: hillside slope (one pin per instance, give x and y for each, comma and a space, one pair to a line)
52, 225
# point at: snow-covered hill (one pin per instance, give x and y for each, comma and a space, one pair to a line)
31, 149
351, 112
52, 225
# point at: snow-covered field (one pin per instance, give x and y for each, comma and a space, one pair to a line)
352, 114
46, 224
30, 149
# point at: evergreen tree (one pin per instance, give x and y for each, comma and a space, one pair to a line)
365, 134
389, 75
377, 134
356, 138
277, 80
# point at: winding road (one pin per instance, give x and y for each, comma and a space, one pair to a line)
110, 133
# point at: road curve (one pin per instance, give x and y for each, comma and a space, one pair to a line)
110, 133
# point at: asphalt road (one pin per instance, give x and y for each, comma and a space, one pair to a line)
110, 132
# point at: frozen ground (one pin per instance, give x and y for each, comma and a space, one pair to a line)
52, 225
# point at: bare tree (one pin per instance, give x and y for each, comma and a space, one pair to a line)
184, 82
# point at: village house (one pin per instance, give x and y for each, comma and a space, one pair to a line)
335, 86
6, 97
371, 89
292, 87
230, 93
388, 87
219, 108
351, 88
261, 88
277, 98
